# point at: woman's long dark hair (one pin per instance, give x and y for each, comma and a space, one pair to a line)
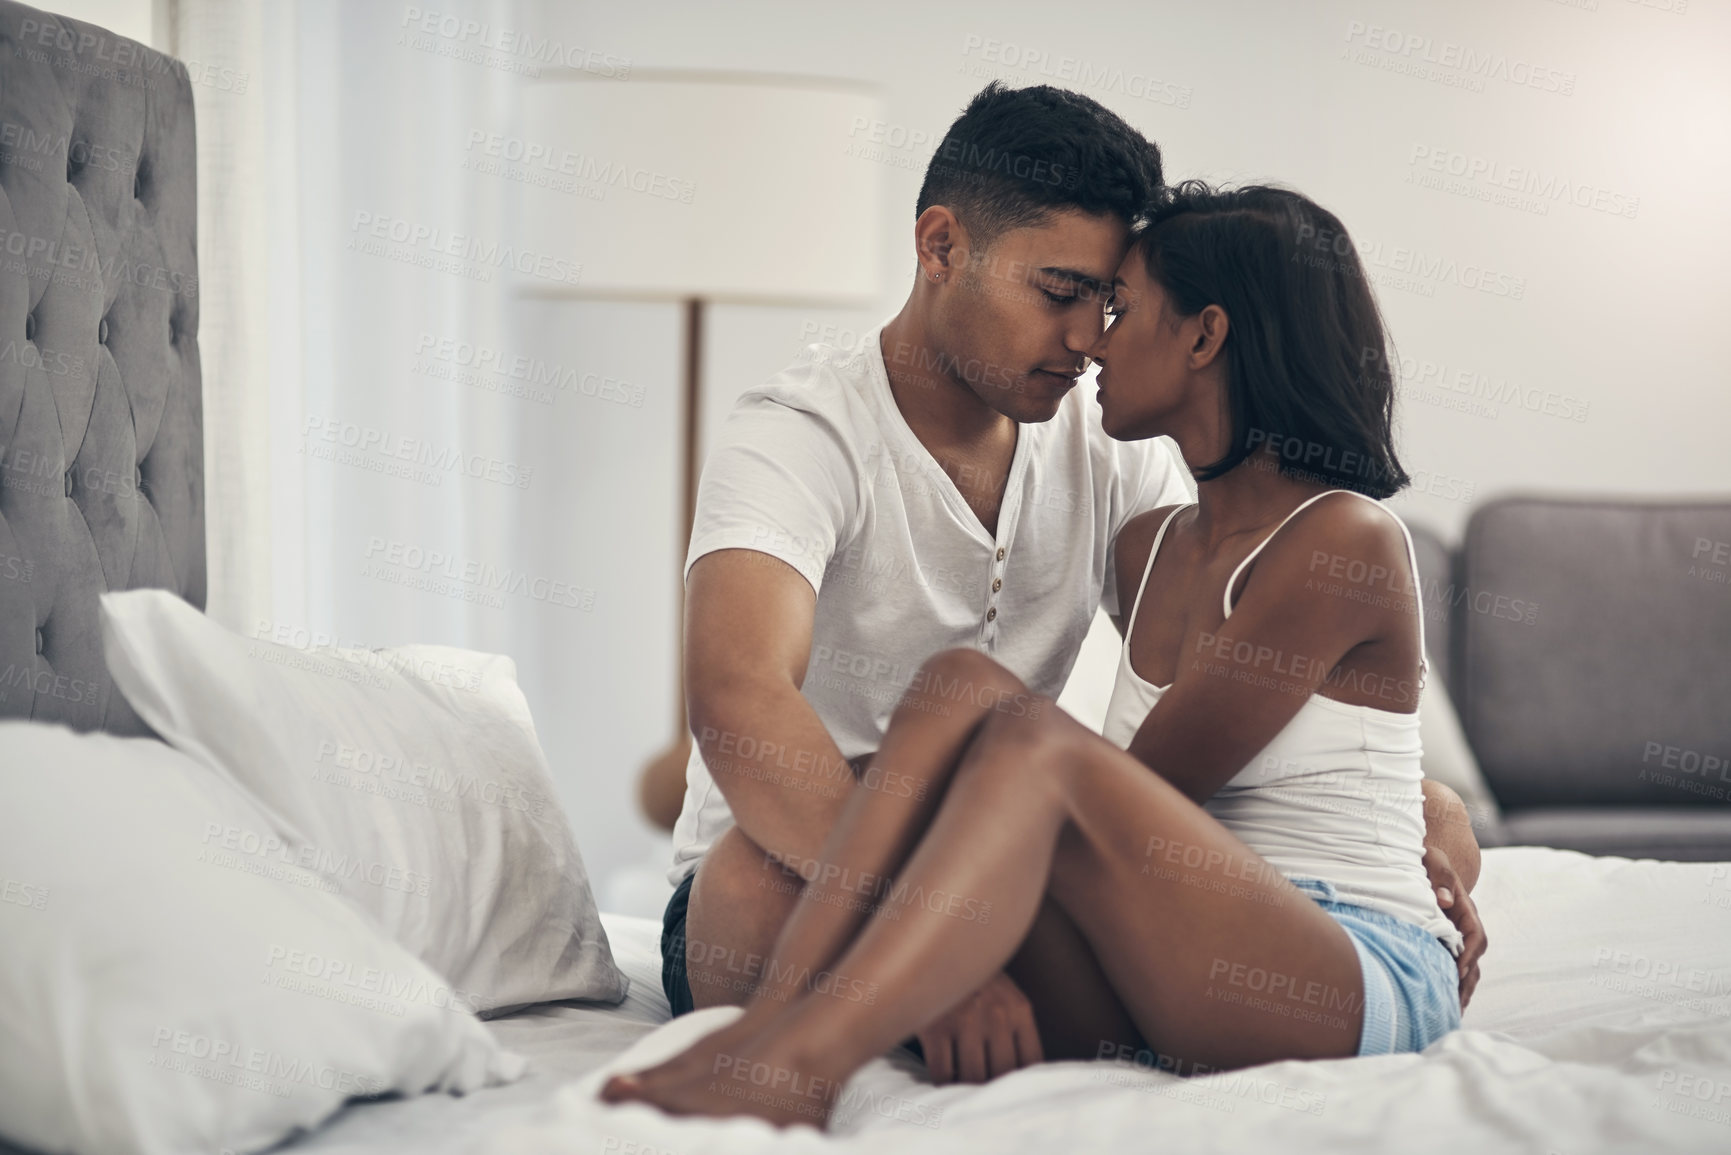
1308, 367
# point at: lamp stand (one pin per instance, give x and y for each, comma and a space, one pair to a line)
661, 784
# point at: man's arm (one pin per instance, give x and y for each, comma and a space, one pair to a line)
748, 625
1448, 827
1451, 860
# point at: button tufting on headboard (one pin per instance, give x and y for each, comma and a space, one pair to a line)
104, 290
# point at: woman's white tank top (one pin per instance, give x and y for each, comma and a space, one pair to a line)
1335, 795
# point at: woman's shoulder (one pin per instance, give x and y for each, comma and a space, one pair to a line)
1131, 547
1342, 537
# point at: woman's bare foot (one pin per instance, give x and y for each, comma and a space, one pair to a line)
699, 1058
764, 1077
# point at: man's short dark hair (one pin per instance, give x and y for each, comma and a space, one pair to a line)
1017, 155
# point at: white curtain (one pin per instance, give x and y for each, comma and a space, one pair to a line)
313, 114
233, 250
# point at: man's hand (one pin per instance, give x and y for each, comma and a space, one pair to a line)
988, 1033
1458, 905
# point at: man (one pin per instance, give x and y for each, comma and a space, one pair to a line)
945, 485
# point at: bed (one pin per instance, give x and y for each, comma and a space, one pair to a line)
1603, 1021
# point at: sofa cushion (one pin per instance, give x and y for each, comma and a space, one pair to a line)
1676, 833
1436, 576
1593, 651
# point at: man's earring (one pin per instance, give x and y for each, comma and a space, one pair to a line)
937, 276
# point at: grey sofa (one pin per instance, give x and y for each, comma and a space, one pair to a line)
1586, 644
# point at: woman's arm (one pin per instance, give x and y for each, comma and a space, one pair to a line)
1238, 683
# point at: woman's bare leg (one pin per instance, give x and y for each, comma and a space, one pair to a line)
954, 694
1220, 961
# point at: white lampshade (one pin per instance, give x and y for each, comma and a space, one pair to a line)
727, 187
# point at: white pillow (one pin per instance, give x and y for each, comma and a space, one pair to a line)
158, 994
412, 780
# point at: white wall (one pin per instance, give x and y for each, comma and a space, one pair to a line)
1616, 315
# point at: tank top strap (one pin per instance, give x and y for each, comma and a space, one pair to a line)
1147, 569
1411, 554
1226, 598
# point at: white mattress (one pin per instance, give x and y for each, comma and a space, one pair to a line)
1571, 1045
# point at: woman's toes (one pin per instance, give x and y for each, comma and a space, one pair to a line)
622, 1088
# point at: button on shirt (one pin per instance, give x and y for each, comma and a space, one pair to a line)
819, 469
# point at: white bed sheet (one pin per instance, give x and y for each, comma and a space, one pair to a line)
1604, 1010
562, 1041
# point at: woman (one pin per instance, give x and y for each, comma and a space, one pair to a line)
1242, 848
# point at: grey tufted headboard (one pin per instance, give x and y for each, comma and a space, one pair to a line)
101, 433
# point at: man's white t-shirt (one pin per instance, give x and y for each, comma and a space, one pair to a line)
819, 469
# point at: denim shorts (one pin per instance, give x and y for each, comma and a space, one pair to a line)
1411, 984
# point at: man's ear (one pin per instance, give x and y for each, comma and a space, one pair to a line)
1210, 336
938, 239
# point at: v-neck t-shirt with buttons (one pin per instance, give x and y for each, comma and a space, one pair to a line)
819, 468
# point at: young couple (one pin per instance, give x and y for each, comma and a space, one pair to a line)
889, 828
